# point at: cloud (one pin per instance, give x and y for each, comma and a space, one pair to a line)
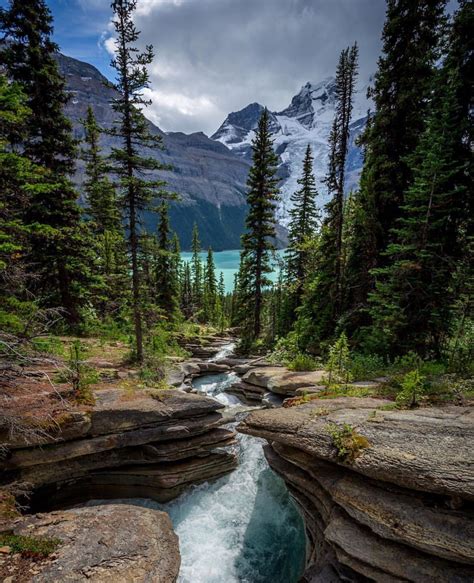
216, 56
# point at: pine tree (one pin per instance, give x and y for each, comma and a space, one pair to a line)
324, 301
412, 306
303, 224
257, 242
60, 246
196, 271
102, 205
137, 187
210, 287
401, 93
186, 291
166, 292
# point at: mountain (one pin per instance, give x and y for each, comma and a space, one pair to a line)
209, 177
307, 120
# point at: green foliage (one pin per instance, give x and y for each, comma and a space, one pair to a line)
412, 388
80, 375
348, 442
303, 362
257, 245
367, 366
339, 362
48, 345
30, 546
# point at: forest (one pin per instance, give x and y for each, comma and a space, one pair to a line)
382, 273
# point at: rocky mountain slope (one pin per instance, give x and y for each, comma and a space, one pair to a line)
307, 120
209, 178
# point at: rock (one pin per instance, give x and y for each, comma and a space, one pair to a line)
110, 543
213, 367
282, 381
249, 394
5, 550
271, 401
386, 515
309, 390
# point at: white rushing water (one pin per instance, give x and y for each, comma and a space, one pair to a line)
242, 528
224, 352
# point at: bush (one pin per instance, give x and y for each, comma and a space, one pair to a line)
339, 362
49, 345
80, 375
412, 387
347, 441
286, 350
365, 367
303, 362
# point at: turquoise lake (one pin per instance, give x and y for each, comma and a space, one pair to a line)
228, 263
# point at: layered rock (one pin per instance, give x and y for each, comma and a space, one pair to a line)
399, 508
110, 543
137, 445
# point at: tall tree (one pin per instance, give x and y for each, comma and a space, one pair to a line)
303, 224
196, 270
210, 287
257, 241
58, 247
412, 306
137, 187
401, 94
166, 292
324, 300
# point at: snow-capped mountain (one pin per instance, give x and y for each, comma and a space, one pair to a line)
307, 120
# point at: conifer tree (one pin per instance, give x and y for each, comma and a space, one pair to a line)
257, 243
324, 301
210, 287
303, 225
196, 270
412, 306
186, 290
401, 93
60, 247
166, 292
136, 186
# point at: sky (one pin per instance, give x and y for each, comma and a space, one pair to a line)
217, 56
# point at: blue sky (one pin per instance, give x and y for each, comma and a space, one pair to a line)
217, 56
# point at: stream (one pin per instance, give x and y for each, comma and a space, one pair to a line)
243, 527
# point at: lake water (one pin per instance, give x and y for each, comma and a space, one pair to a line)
228, 263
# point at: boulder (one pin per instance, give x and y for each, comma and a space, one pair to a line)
115, 543
281, 381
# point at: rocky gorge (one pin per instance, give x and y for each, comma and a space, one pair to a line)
385, 494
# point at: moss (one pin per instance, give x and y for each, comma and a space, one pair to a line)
30, 546
348, 442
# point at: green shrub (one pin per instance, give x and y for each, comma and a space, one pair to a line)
365, 367
412, 388
79, 374
303, 362
30, 546
347, 441
339, 362
286, 350
49, 345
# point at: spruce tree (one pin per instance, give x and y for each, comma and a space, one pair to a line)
210, 287
324, 301
401, 94
303, 224
186, 290
166, 292
257, 241
137, 187
60, 247
196, 271
412, 306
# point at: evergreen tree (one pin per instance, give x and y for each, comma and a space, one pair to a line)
303, 225
196, 270
324, 301
257, 242
401, 93
60, 246
210, 287
412, 305
102, 205
137, 187
186, 295
166, 292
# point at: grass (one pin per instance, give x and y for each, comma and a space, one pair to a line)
30, 546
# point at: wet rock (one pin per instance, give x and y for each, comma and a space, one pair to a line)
282, 381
